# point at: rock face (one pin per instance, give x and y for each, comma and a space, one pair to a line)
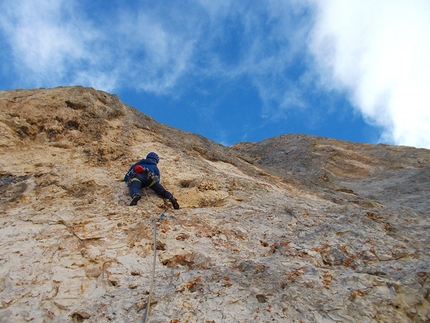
290, 229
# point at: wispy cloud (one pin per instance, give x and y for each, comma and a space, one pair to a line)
267, 47
47, 39
379, 51
152, 48
56, 43
157, 47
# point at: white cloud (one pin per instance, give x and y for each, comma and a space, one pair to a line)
54, 42
46, 38
159, 51
380, 52
151, 48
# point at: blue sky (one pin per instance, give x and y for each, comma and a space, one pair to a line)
236, 71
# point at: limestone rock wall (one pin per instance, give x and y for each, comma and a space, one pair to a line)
292, 229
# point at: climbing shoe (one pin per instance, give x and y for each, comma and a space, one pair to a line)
136, 198
174, 203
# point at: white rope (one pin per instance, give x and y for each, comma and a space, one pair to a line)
148, 303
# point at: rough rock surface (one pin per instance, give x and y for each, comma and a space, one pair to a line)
290, 229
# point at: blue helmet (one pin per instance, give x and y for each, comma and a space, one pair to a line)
153, 156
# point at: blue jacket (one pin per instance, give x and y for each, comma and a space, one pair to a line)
146, 163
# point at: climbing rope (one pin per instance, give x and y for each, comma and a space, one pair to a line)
148, 303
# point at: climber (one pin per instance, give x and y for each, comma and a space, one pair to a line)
145, 173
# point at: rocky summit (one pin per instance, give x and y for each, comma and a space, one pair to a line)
294, 228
